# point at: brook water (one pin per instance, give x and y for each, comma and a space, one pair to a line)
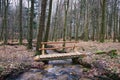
55, 70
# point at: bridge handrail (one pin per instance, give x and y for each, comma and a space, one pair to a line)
57, 48
43, 45
59, 42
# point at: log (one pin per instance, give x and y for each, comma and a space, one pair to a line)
100, 52
114, 51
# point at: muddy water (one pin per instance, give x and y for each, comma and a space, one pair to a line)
56, 70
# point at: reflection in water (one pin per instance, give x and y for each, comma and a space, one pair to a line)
60, 62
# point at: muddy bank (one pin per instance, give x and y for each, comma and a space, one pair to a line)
12, 70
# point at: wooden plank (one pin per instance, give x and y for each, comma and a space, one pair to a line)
59, 42
58, 56
57, 48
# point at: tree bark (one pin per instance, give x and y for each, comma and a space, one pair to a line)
20, 23
66, 7
115, 22
119, 31
41, 26
55, 23
102, 31
86, 23
31, 25
48, 22
5, 21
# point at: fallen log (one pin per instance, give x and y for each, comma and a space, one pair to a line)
114, 51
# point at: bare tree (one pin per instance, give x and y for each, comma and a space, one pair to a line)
30, 30
102, 30
66, 7
48, 22
41, 26
5, 21
20, 23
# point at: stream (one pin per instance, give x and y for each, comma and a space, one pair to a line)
55, 70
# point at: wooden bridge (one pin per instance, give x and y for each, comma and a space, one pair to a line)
57, 56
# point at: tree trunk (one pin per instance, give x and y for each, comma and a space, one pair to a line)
20, 23
77, 16
66, 6
86, 23
0, 7
110, 26
115, 21
119, 31
31, 25
55, 23
5, 21
102, 31
41, 26
2, 26
48, 22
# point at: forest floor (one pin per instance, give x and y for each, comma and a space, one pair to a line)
14, 56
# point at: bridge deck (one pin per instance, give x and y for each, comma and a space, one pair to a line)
59, 56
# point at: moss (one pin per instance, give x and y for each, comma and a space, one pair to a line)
100, 52
113, 76
1, 69
86, 69
113, 53
37, 53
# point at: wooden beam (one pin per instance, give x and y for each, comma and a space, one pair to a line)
59, 56
43, 49
59, 42
58, 48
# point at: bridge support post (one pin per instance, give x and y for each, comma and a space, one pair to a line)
43, 51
